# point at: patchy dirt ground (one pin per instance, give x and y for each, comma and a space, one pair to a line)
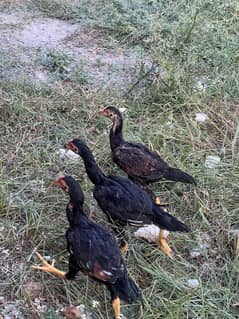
95, 59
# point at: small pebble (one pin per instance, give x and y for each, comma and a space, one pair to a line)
123, 109
68, 154
47, 258
150, 233
212, 161
201, 117
193, 283
195, 253
95, 303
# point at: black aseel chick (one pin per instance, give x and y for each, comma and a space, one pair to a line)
93, 250
141, 164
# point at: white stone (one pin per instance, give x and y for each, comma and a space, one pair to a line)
150, 233
47, 258
95, 303
201, 117
195, 253
68, 154
212, 161
123, 109
201, 85
193, 283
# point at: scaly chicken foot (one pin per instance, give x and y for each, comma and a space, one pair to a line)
124, 246
49, 267
116, 308
163, 244
157, 200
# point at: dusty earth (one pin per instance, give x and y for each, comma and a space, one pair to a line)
91, 56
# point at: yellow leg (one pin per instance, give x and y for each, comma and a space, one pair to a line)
124, 248
49, 267
116, 307
163, 244
157, 200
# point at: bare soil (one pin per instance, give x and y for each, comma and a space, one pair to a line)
23, 38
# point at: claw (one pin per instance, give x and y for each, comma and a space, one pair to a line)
116, 307
163, 244
157, 200
48, 267
42, 259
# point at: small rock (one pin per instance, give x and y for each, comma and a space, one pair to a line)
193, 283
150, 233
201, 117
201, 85
68, 154
95, 303
212, 161
123, 109
195, 253
47, 258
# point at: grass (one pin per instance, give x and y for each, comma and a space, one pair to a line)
195, 54
55, 62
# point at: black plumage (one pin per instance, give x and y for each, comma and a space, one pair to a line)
122, 200
93, 250
141, 164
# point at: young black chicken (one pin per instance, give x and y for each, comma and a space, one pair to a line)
93, 250
141, 164
124, 201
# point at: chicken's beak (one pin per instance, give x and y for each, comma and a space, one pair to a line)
55, 184
70, 146
67, 146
